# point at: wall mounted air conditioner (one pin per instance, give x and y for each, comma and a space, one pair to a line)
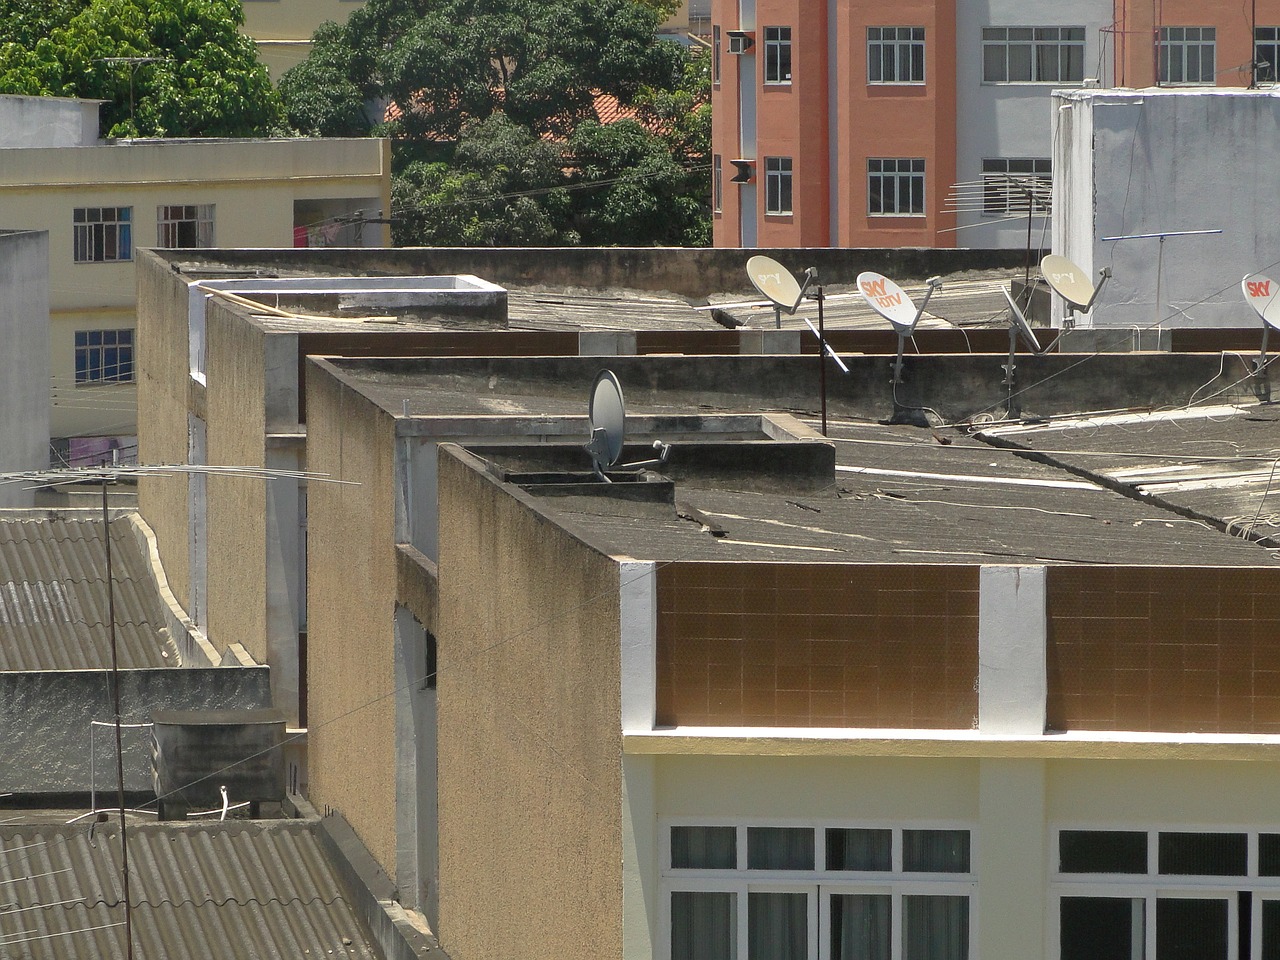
746, 171
741, 41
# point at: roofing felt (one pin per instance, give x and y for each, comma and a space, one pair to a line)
53, 597
904, 494
243, 890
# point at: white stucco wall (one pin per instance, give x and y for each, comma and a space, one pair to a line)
1012, 119
1148, 161
48, 122
24, 360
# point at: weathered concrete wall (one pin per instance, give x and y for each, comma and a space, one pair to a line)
351, 596
691, 272
45, 720
24, 366
530, 670
47, 122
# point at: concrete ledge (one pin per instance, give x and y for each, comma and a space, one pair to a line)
193, 646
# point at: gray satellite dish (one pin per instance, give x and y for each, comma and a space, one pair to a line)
1263, 295
776, 284
1071, 282
607, 416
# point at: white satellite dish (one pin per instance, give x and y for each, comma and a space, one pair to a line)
889, 300
1019, 324
607, 417
1071, 282
775, 283
1263, 294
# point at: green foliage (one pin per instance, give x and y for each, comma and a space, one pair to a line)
494, 121
198, 75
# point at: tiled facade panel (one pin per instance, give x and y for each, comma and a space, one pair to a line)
817, 645
1164, 649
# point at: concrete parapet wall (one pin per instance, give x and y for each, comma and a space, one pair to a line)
45, 719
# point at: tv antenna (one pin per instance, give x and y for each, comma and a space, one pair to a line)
1071, 282
777, 285
1263, 294
890, 301
607, 421
1162, 236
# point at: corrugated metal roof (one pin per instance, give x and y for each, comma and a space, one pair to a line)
248, 890
53, 597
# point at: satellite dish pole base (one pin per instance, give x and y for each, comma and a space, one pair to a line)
897, 361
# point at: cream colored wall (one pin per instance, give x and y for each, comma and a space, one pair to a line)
283, 28
529, 715
252, 184
163, 401
351, 595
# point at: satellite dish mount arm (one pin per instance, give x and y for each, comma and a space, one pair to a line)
935, 283
1103, 276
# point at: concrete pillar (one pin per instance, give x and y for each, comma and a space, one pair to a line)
1012, 682
1012, 860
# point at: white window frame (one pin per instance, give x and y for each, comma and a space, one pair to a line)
717, 184
1037, 43
1153, 886
170, 218
102, 234
95, 366
901, 46
779, 186
818, 884
1178, 40
715, 54
1266, 46
778, 64
1001, 198
897, 175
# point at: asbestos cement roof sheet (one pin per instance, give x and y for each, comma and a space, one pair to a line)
249, 890
54, 610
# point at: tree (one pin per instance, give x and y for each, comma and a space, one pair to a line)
167, 67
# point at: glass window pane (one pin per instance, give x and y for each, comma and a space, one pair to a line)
779, 848
993, 63
1204, 854
777, 926
1271, 930
704, 848
1191, 929
859, 849
1102, 851
935, 928
1020, 62
1102, 928
860, 927
704, 926
935, 851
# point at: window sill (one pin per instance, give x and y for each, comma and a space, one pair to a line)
89, 263
897, 216
106, 383
880, 84
777, 83
1033, 83
779, 214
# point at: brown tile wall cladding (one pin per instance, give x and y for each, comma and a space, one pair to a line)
1164, 649
817, 645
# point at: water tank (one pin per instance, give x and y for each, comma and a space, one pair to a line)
195, 752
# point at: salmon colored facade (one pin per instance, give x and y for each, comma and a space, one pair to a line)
819, 149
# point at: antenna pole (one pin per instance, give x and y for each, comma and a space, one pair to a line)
822, 360
115, 689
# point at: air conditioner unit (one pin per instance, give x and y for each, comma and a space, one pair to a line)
741, 41
746, 171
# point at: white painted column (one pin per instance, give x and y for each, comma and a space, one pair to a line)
1011, 860
638, 631
1012, 683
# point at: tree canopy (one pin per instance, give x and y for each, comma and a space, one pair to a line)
493, 107
166, 67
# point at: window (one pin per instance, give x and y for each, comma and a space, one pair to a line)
1187, 55
1033, 54
717, 184
1266, 53
1152, 894
777, 184
895, 54
798, 891
185, 226
102, 234
715, 54
104, 356
895, 187
1011, 185
777, 54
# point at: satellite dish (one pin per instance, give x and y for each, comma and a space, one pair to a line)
775, 283
607, 416
1020, 325
1263, 294
890, 301
1069, 281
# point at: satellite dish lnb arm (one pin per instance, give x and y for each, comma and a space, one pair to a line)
935, 283
1103, 276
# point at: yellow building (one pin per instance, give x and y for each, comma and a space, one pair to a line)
282, 29
102, 201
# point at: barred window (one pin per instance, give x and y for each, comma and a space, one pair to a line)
895, 187
1033, 54
102, 234
104, 356
895, 54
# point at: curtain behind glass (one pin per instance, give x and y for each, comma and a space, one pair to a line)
703, 926
860, 926
780, 848
935, 928
777, 926
706, 848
